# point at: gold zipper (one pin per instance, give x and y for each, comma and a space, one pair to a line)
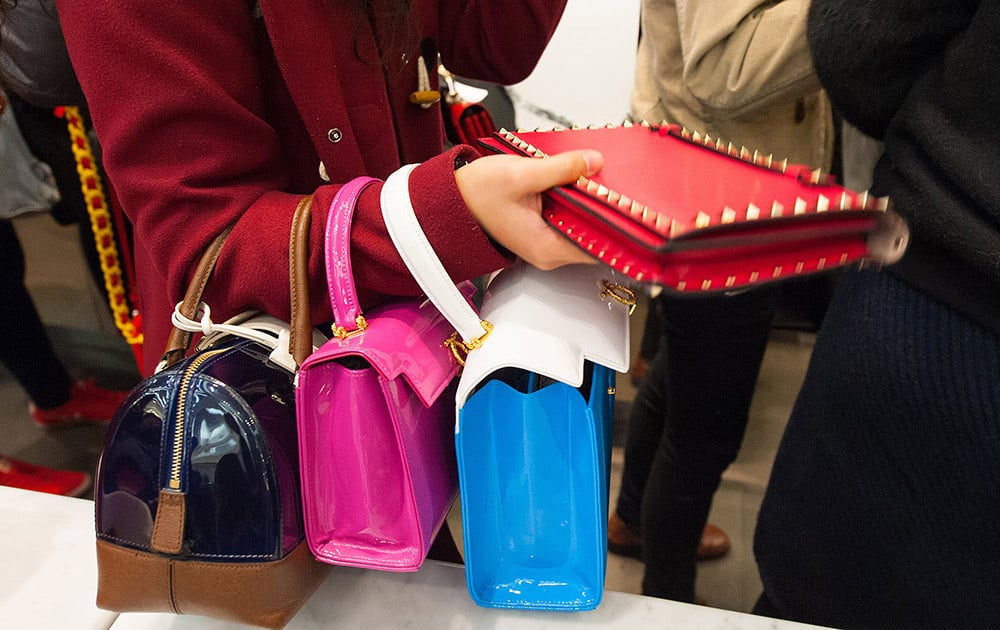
178, 447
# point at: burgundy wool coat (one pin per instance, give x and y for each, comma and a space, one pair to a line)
216, 114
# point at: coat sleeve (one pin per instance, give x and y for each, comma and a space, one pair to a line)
743, 56
474, 46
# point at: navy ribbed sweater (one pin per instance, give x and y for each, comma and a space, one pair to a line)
883, 509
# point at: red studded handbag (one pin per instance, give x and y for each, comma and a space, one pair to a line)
693, 213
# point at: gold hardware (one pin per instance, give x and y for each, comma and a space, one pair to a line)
177, 448
342, 333
619, 293
612, 391
461, 349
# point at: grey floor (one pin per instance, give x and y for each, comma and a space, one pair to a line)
86, 338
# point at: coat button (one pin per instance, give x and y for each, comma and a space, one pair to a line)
335, 135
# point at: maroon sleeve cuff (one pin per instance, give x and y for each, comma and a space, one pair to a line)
464, 249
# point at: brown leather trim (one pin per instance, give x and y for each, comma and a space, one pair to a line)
300, 343
179, 340
129, 580
168, 528
266, 594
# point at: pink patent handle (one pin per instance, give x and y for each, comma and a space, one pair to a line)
339, 275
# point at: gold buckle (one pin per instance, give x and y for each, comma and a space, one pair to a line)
619, 293
461, 349
342, 333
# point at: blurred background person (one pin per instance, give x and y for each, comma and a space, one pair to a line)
37, 76
741, 72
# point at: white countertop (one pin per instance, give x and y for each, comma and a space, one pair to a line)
49, 582
435, 598
49, 576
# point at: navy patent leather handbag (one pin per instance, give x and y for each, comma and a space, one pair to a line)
197, 497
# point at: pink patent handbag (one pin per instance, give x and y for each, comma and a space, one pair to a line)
376, 421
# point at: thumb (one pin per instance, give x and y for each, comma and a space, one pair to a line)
567, 167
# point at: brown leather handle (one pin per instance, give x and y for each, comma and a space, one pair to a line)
300, 343
179, 340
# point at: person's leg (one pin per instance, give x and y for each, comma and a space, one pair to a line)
26, 350
713, 350
649, 345
645, 426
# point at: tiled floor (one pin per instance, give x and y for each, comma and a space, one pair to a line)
85, 336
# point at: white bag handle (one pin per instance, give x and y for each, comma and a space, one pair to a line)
270, 332
423, 263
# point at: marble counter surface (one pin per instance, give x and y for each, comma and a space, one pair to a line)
49, 576
435, 598
49, 581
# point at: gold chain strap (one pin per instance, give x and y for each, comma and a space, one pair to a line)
100, 223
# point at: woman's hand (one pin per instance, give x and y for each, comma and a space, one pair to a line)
504, 194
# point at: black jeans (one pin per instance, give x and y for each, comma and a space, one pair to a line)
26, 350
687, 424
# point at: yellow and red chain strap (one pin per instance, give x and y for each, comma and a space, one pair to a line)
101, 224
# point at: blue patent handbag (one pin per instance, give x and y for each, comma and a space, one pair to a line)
533, 439
534, 419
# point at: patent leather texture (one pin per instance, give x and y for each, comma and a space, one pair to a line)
339, 274
239, 467
533, 439
534, 462
376, 422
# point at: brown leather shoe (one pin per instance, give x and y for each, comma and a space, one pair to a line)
624, 541
714, 543
637, 371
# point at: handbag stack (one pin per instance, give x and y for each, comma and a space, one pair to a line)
234, 477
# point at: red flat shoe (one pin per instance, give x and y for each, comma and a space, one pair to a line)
88, 403
18, 474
